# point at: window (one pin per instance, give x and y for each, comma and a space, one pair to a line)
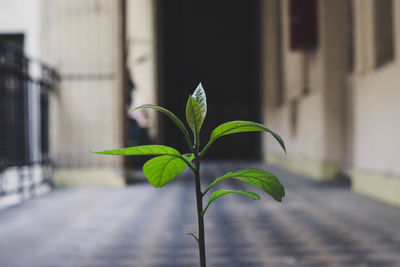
303, 24
384, 42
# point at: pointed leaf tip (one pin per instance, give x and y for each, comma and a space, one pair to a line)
200, 96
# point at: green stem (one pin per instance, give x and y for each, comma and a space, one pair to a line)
207, 189
204, 211
212, 184
199, 200
206, 147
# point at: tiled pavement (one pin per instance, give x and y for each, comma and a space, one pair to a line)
316, 225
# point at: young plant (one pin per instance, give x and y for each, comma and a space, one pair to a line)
169, 163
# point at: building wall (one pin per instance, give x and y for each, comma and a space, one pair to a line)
22, 16
82, 39
347, 121
376, 91
303, 91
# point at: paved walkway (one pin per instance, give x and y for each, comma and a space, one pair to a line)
316, 225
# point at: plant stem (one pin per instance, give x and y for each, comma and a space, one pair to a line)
199, 199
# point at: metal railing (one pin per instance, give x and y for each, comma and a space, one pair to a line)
25, 84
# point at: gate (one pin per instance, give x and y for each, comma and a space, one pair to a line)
25, 85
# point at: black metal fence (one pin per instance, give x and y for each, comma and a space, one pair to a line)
25, 85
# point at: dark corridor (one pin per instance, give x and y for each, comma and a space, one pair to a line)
216, 43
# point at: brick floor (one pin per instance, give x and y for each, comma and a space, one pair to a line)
316, 225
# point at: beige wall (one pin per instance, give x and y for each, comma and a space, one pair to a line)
314, 146
82, 40
376, 91
376, 110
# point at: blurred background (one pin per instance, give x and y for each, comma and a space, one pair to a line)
322, 74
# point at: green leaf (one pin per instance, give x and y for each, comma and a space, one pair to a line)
239, 127
172, 116
222, 192
194, 115
258, 178
200, 96
194, 236
162, 170
142, 150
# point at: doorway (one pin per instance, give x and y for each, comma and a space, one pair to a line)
216, 43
